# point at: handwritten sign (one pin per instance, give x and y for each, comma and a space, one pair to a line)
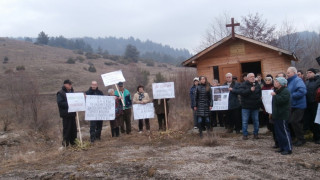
100, 108
143, 111
76, 102
112, 78
267, 100
317, 120
220, 95
163, 90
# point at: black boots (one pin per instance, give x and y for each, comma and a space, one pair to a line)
115, 132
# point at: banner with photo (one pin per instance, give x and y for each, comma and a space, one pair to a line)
220, 95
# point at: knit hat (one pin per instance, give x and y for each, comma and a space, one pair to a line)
282, 81
313, 70
67, 81
196, 79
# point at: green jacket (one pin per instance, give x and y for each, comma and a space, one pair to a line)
281, 104
126, 98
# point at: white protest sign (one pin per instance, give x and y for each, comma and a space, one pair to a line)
267, 100
112, 78
76, 102
163, 90
100, 108
220, 95
143, 111
317, 120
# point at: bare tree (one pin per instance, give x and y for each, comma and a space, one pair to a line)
310, 51
288, 37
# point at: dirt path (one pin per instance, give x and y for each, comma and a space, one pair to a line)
173, 155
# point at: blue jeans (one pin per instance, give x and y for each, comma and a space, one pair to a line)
200, 118
245, 118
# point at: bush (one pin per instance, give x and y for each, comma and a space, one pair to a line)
124, 61
92, 56
80, 59
20, 68
110, 63
71, 61
79, 52
92, 69
113, 57
151, 63
5, 60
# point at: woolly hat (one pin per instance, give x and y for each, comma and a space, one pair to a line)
196, 79
282, 81
313, 70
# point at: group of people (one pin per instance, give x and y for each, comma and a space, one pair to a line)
294, 106
123, 108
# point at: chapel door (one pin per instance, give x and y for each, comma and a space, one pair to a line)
234, 69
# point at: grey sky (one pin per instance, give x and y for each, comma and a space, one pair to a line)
178, 23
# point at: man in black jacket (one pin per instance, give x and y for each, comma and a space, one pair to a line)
312, 85
68, 119
250, 92
95, 126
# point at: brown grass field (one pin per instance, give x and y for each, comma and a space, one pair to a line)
27, 152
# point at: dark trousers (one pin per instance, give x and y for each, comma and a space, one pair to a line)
272, 129
310, 116
282, 134
95, 130
146, 121
126, 121
214, 120
234, 119
295, 121
69, 130
162, 121
115, 132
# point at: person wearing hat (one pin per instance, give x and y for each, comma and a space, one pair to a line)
125, 95
298, 101
312, 85
280, 115
192, 91
68, 119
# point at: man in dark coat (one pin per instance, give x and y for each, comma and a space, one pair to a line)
233, 113
68, 119
95, 126
192, 91
250, 92
158, 105
312, 85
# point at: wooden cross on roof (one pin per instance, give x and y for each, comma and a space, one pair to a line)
232, 25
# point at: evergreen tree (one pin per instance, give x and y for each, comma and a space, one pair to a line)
43, 38
131, 53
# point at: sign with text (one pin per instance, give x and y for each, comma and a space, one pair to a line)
100, 108
317, 120
112, 78
76, 102
163, 90
220, 95
143, 111
267, 100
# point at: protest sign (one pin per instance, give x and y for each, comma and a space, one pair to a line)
267, 100
163, 90
76, 102
100, 108
143, 111
112, 78
220, 95
317, 120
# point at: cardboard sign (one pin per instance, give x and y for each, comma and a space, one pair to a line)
220, 95
76, 102
163, 90
143, 111
100, 108
267, 100
112, 78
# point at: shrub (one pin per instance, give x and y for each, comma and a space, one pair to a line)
5, 60
114, 57
151, 63
92, 69
124, 61
71, 61
78, 52
20, 68
92, 56
110, 63
80, 59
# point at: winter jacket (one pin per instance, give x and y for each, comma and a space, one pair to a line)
126, 98
312, 86
158, 105
281, 104
203, 100
192, 91
140, 97
63, 103
298, 92
250, 99
233, 96
94, 92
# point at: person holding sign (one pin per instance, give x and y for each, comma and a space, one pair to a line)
203, 103
95, 126
280, 115
160, 111
115, 124
125, 95
142, 98
68, 119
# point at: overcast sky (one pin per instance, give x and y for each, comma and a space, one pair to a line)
177, 23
